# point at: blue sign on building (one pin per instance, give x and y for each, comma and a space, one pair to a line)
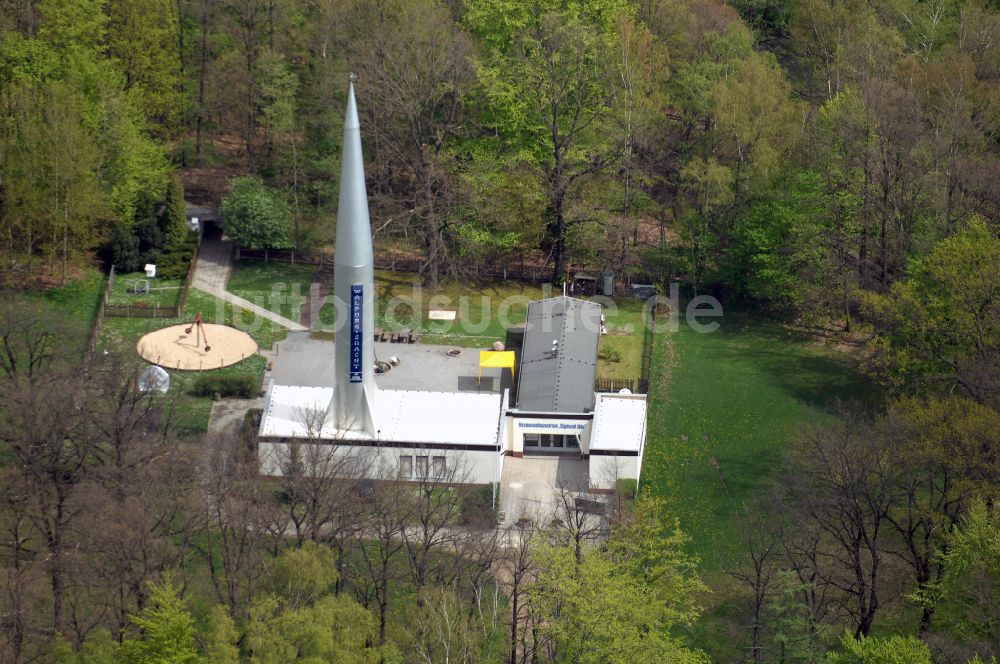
357, 332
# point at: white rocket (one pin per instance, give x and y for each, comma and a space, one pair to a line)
352, 406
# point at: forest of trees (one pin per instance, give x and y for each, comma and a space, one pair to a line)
797, 152
125, 542
835, 163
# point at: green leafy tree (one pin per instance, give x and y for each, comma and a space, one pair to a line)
797, 635
710, 185
551, 88
623, 604
775, 252
174, 219
55, 199
256, 216
166, 630
99, 648
771, 18
968, 596
945, 456
301, 620
414, 66
756, 121
143, 36
872, 650
219, 637
278, 87
75, 27
940, 328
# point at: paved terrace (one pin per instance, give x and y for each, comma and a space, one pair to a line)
531, 488
306, 359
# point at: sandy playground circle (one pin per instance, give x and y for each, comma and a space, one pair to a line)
175, 348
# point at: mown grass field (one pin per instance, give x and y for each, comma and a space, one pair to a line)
278, 287
162, 292
724, 407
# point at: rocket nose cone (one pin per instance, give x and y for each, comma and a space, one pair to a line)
351, 117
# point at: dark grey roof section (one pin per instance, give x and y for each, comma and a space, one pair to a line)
559, 356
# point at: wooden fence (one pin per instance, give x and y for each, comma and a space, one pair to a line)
140, 310
182, 299
646, 361
283, 256
616, 385
518, 271
638, 385
95, 331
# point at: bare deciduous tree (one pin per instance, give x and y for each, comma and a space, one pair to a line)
845, 493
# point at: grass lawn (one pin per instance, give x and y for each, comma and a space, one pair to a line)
278, 287
74, 304
723, 406
163, 292
483, 311
623, 340
193, 412
722, 410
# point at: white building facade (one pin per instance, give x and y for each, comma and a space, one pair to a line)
449, 427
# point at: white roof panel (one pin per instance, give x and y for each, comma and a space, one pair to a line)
400, 415
619, 423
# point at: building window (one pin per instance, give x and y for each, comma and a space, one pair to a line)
421, 466
551, 441
438, 466
406, 466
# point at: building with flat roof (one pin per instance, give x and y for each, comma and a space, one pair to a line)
415, 412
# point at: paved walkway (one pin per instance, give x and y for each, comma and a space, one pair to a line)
211, 274
258, 310
228, 415
531, 487
215, 262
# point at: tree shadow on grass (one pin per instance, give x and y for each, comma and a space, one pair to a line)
805, 368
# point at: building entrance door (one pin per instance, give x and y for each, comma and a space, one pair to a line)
551, 443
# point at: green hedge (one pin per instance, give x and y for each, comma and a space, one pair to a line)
227, 386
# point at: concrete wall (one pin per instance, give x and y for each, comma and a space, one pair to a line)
606, 470
462, 466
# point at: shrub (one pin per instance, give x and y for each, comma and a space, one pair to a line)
477, 505
227, 386
175, 262
173, 265
628, 487
609, 354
